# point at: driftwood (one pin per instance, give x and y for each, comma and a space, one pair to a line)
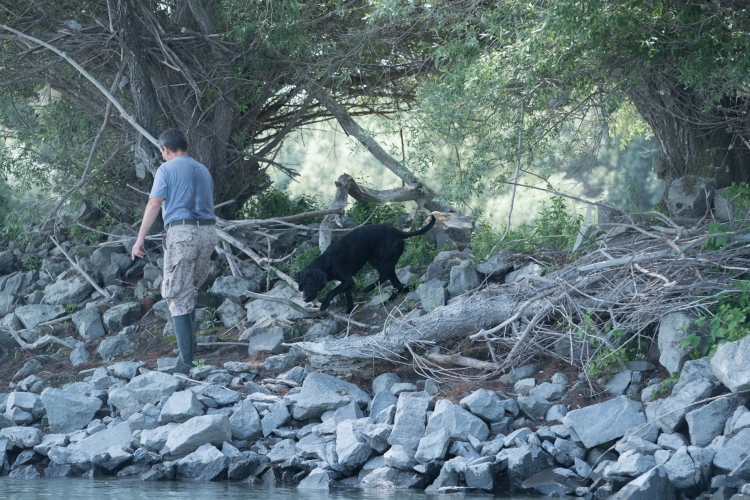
80, 270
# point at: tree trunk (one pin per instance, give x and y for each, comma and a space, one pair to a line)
692, 140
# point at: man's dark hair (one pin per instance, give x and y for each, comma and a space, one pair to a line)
174, 140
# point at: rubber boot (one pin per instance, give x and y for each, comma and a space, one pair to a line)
183, 329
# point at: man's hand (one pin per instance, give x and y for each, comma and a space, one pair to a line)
139, 249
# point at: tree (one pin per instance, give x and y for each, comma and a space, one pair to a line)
234, 74
536, 85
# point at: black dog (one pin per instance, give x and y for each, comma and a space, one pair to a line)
379, 244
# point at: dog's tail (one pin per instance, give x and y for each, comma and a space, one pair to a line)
421, 231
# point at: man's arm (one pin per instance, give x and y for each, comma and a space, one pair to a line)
149, 216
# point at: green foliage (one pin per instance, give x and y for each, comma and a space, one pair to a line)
418, 252
716, 242
729, 321
70, 308
302, 259
612, 346
199, 363
210, 320
738, 196
32, 263
276, 202
374, 213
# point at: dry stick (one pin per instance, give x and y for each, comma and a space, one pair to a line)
42, 342
464, 361
667, 283
90, 78
257, 258
75, 264
537, 317
290, 218
626, 260
230, 259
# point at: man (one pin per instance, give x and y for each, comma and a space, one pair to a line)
183, 189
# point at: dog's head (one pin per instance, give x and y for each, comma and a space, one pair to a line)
311, 282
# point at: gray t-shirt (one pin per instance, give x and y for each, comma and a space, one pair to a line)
187, 189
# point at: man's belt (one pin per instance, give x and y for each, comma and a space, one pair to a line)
191, 222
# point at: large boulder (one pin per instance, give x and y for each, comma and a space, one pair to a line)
351, 450
496, 267
458, 422
267, 336
707, 422
230, 313
386, 478
409, 422
433, 446
670, 413
603, 422
321, 393
34, 314
204, 464
89, 324
690, 196
731, 365
441, 266
69, 288
673, 329
729, 455
191, 435
690, 468
484, 404
26, 401
68, 411
21, 437
232, 287
180, 407
118, 317
523, 462
7, 303
96, 444
150, 387
463, 278
649, 486
114, 347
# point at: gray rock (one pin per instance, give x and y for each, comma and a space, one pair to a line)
376, 436
348, 412
397, 389
278, 415
673, 441
232, 287
321, 393
34, 314
690, 196
636, 444
484, 404
124, 401
119, 436
7, 303
204, 464
523, 272
26, 401
409, 421
496, 267
458, 422
690, 467
548, 391
433, 446
631, 464
221, 395
350, 449
67, 456
112, 460
282, 451
729, 364
265, 336
125, 369
50, 440
619, 383
259, 309
245, 422
400, 457
669, 413
432, 294
694, 370
21, 437
463, 278
480, 477
706, 423
237, 367
521, 435
598, 424
534, 407
114, 347
556, 413
155, 439
7, 262
150, 387
180, 407
443, 263
318, 479
191, 435
79, 355
448, 476
68, 288
384, 382
88, 323
386, 478
524, 462
6, 421
651, 485
728, 457
121, 315
524, 386
68, 411
673, 329
147, 418
230, 313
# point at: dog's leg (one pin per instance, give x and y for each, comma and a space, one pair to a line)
349, 301
372, 286
397, 285
343, 287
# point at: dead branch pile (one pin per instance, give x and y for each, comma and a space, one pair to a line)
642, 268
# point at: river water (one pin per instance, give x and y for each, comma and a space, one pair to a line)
133, 489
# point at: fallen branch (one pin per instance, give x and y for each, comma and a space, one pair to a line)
80, 270
464, 361
42, 342
257, 258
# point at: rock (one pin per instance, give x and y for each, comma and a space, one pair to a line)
728, 456
673, 329
259, 309
690, 467
150, 387
7, 303
204, 464
191, 435
381, 401
548, 391
112, 460
524, 386
397, 389
496, 267
400, 457
619, 383
232, 287
127, 370
631, 464
523, 462
669, 413
321, 393
730, 364
89, 323
180, 407
523, 272
649, 486
147, 418
480, 477
463, 278
520, 373
21, 437
25, 472
458, 422
69, 288
282, 451
278, 415
484, 404
386, 478
707, 422
79, 355
237, 367
221, 395
433, 446
318, 479
155, 439
117, 436
556, 413
409, 421
432, 294
7, 262
230, 313
245, 422
534, 407
124, 401
384, 382
34, 314
690, 196
350, 449
114, 347
265, 336
694, 370
26, 401
67, 411
121, 315
603, 422
444, 262
376, 436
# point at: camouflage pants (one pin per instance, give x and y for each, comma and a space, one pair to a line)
187, 260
